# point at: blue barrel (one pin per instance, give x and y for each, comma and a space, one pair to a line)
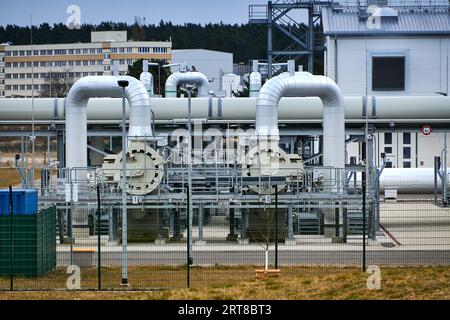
24, 202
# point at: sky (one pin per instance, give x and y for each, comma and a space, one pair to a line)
95, 11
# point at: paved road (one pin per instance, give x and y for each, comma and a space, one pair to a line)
252, 257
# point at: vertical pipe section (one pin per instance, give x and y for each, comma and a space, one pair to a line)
304, 84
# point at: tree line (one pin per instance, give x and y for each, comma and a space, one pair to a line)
245, 41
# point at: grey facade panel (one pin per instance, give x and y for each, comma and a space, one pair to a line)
410, 22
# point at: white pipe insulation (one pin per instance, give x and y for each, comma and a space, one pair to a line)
255, 84
409, 180
178, 78
406, 180
304, 84
104, 86
147, 80
386, 109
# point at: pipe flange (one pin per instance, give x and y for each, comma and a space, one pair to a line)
266, 161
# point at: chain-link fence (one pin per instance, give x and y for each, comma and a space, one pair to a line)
226, 233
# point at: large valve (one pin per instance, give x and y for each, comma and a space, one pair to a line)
145, 168
266, 160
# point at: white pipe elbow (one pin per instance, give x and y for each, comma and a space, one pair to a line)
178, 78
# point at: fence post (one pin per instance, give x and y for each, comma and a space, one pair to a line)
188, 270
99, 245
11, 220
364, 220
276, 227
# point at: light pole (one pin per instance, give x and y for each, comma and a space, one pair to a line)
189, 88
123, 84
159, 75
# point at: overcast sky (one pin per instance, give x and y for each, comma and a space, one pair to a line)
95, 11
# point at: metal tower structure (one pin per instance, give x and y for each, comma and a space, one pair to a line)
305, 41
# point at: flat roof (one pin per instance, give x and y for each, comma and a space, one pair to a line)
407, 22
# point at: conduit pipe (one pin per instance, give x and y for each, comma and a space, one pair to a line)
387, 109
255, 84
178, 78
304, 84
96, 87
147, 80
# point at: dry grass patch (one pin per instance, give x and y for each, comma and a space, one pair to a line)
239, 283
10, 177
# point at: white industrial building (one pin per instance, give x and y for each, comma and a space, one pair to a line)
406, 53
210, 63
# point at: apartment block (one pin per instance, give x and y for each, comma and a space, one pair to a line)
25, 68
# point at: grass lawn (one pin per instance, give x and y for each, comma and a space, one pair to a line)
11, 177
239, 283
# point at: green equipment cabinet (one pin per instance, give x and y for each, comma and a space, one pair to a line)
33, 246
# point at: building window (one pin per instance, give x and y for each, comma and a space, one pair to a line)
388, 73
388, 150
129, 50
406, 138
407, 153
388, 164
407, 164
388, 138
144, 50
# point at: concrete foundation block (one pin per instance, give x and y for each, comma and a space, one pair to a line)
243, 241
160, 241
338, 240
80, 233
200, 243
290, 242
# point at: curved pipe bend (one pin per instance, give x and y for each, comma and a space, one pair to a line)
304, 84
178, 78
102, 87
